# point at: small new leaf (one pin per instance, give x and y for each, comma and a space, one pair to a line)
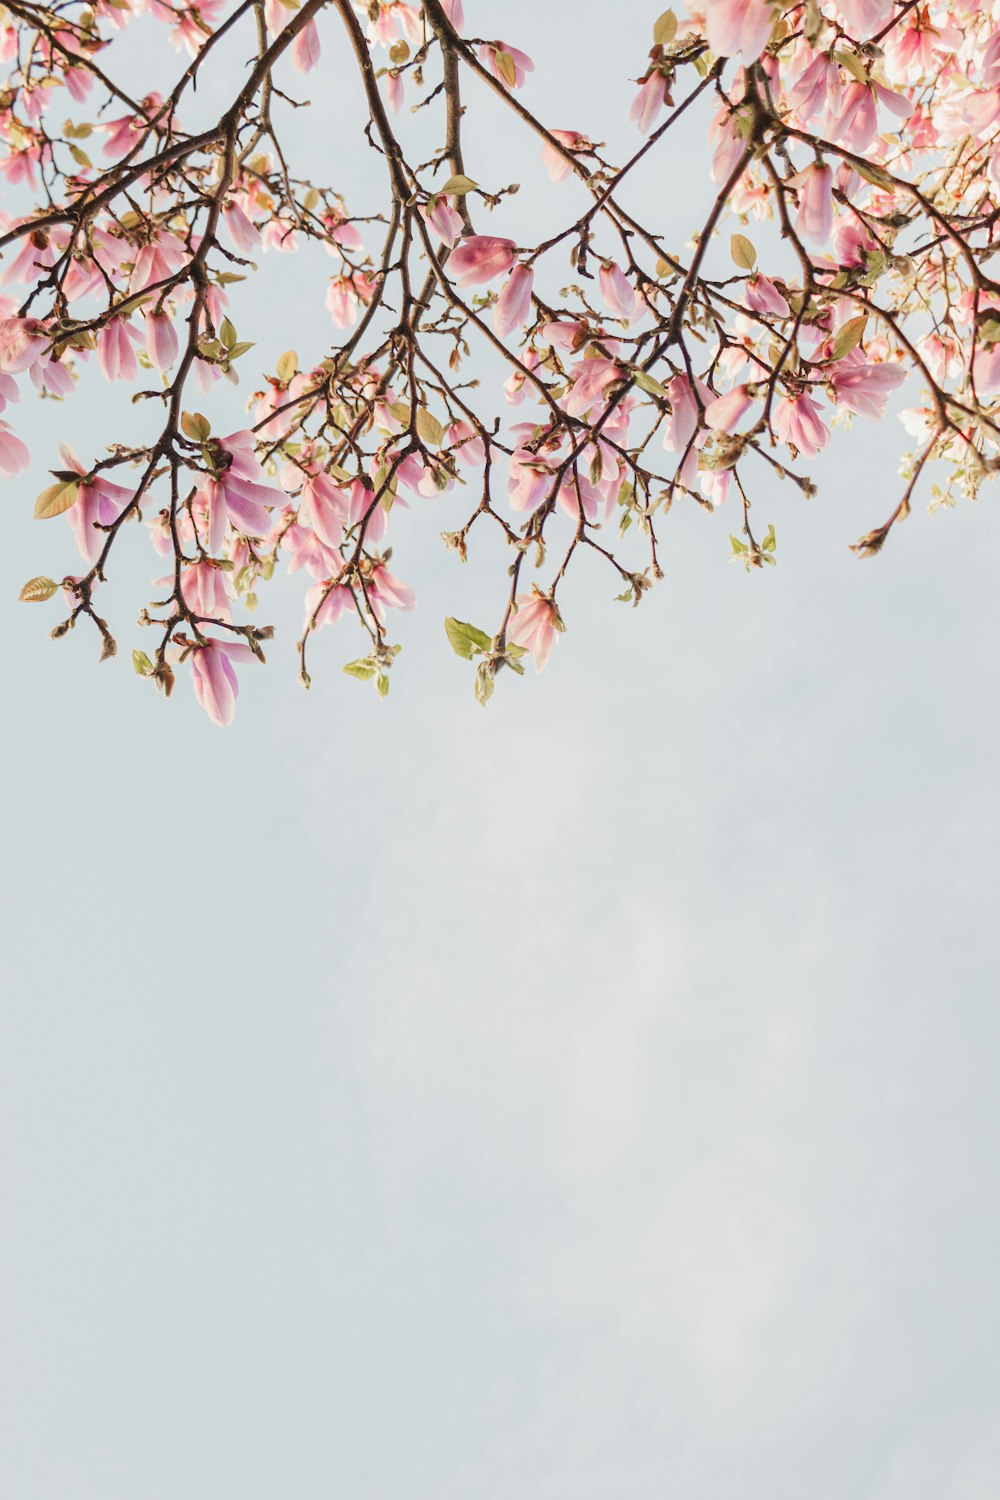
458, 185
743, 252
665, 29
37, 590
56, 499
361, 669
466, 641
195, 426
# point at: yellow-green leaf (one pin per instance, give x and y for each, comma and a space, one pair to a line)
458, 186
37, 590
848, 337
743, 252
665, 29
287, 366
506, 67
56, 499
429, 429
195, 426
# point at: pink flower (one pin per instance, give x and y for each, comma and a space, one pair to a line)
115, 354
441, 215
535, 625
513, 305
519, 63
98, 503
330, 599
241, 230
467, 445
555, 162
763, 296
528, 483
14, 456
237, 494
617, 291
215, 684
815, 216
384, 588
865, 388
798, 423
324, 509
724, 413
161, 340
306, 49
865, 17
479, 258
742, 26
648, 102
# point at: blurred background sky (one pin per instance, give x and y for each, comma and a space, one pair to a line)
588, 1098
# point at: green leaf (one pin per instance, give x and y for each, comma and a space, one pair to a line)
484, 684
465, 639
738, 547
56, 499
743, 252
141, 663
195, 426
648, 383
770, 542
848, 337
362, 670
37, 590
382, 684
457, 186
429, 429
287, 366
665, 29
506, 67
227, 333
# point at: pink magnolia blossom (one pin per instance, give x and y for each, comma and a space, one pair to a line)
764, 297
554, 161
724, 413
865, 388
742, 26
306, 49
330, 599
513, 306
529, 481
815, 215
161, 340
115, 354
98, 502
214, 678
535, 624
385, 589
521, 62
241, 230
649, 101
238, 494
14, 456
798, 423
468, 446
479, 258
617, 291
444, 218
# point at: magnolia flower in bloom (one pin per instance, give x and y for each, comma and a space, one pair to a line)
724, 413
479, 258
331, 600
384, 588
161, 340
214, 679
14, 456
306, 49
441, 215
237, 495
555, 162
815, 215
617, 291
797, 422
764, 297
98, 502
534, 624
506, 63
865, 388
743, 26
513, 306
649, 101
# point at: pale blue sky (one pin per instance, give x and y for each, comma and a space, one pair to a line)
590, 1098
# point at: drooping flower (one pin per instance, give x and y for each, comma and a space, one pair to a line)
513, 305
214, 678
535, 624
742, 26
479, 258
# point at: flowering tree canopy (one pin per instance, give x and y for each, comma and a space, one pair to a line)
855, 138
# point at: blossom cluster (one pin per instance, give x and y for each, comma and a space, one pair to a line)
847, 251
